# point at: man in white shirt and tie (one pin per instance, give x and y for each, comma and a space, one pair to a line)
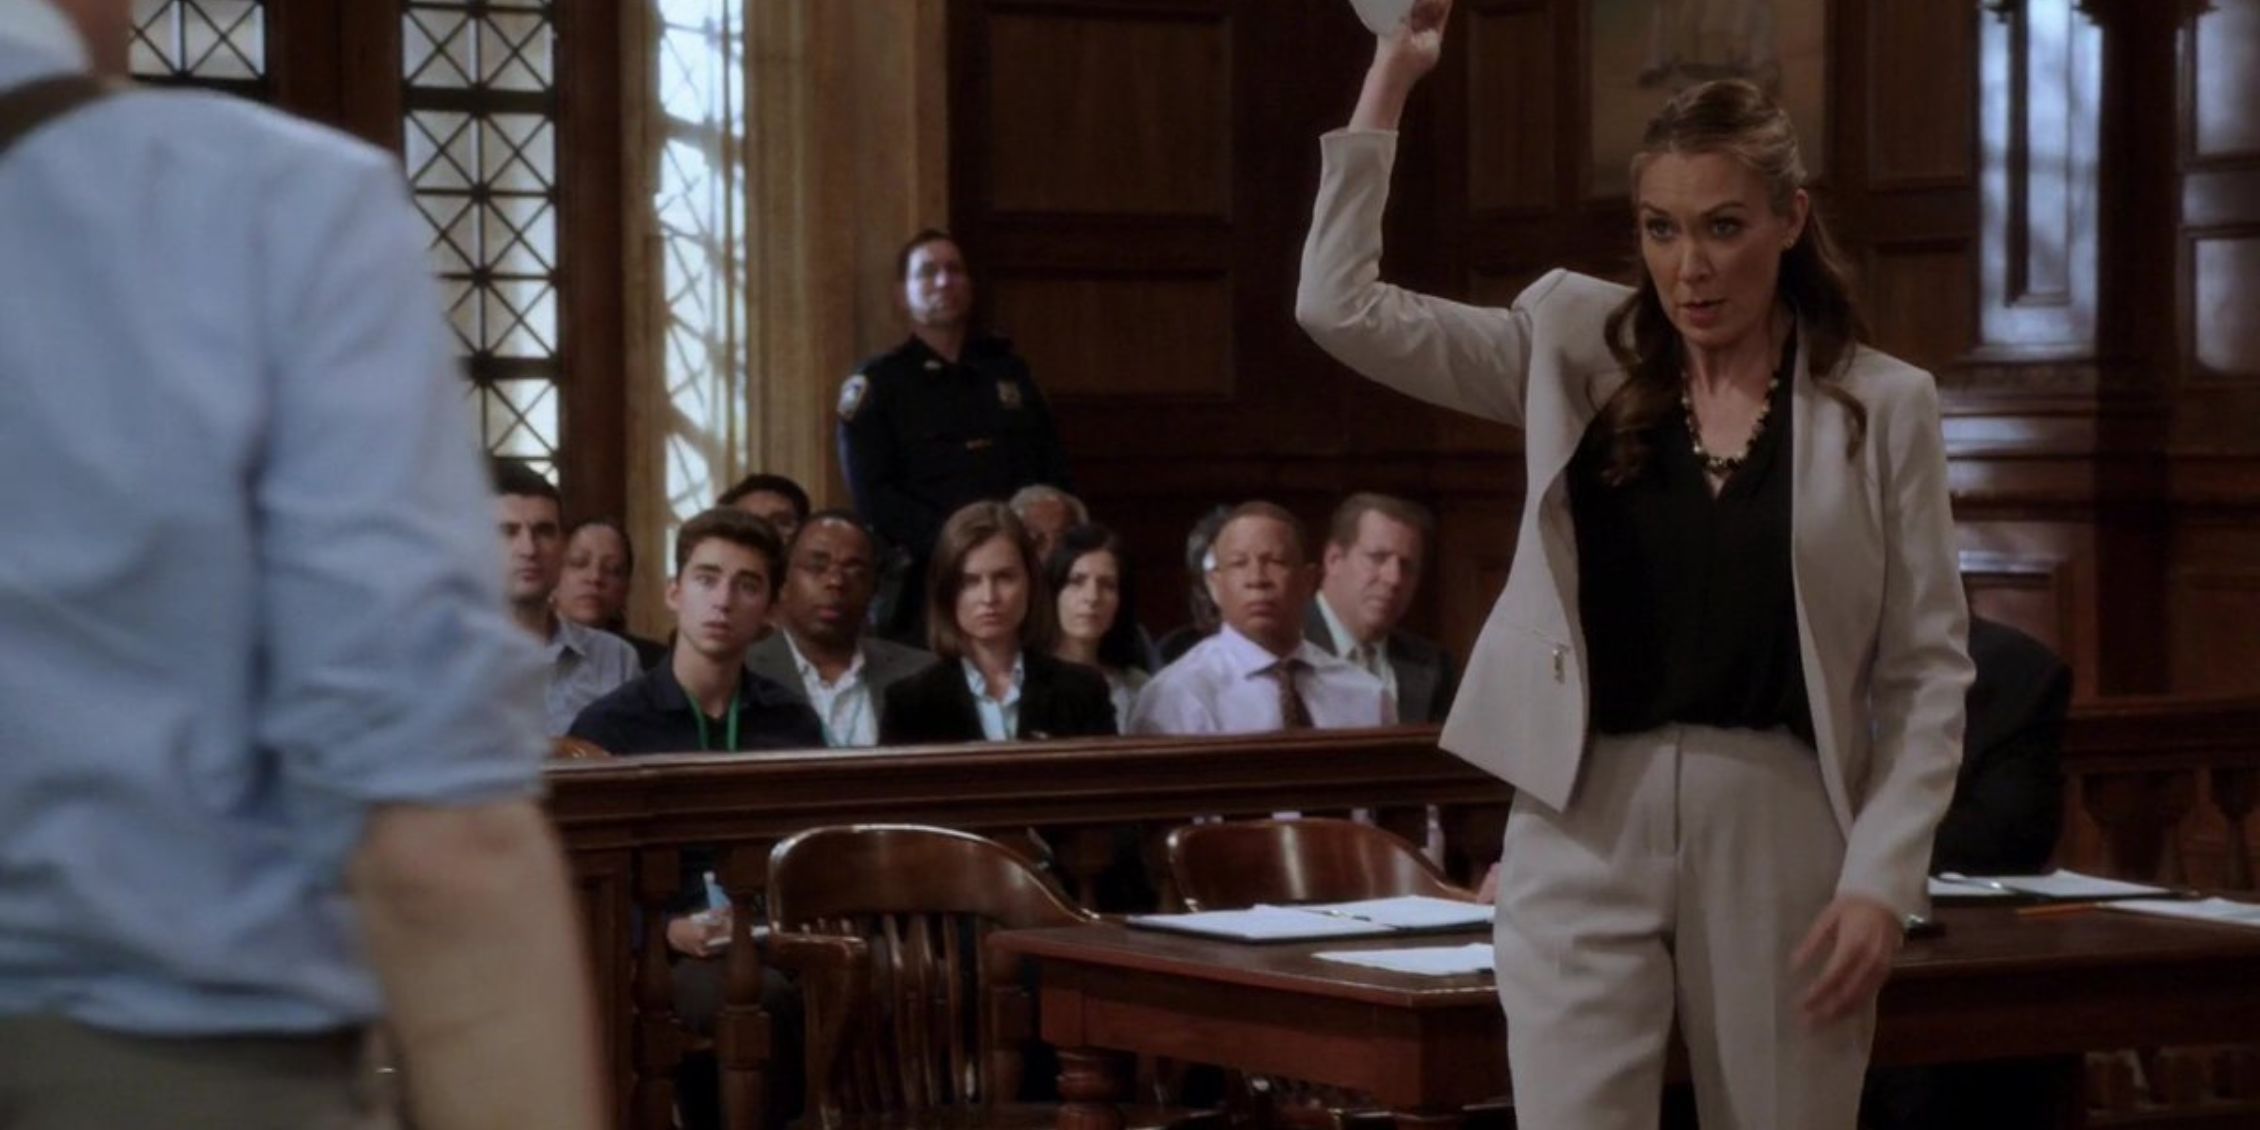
1258, 673
822, 652
1375, 548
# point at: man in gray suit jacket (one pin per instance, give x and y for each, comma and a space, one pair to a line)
1375, 547
820, 651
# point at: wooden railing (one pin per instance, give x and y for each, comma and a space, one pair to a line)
2158, 789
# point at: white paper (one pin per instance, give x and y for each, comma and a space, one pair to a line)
1425, 961
2202, 910
2072, 885
1958, 889
1412, 912
1262, 924
1382, 16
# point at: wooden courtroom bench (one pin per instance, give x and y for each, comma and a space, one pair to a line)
2157, 789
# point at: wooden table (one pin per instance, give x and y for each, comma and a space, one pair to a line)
1994, 985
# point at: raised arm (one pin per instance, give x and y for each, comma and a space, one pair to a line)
1467, 358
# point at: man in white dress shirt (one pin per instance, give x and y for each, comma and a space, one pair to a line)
1258, 673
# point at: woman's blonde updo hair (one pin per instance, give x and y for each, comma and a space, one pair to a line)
1735, 118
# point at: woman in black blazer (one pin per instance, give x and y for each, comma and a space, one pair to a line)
990, 624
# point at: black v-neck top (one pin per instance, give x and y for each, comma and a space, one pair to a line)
1688, 602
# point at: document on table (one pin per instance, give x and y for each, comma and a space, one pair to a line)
1263, 924
1412, 912
2060, 885
1367, 918
1942, 888
1425, 961
2200, 910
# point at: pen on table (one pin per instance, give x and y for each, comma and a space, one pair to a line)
2051, 910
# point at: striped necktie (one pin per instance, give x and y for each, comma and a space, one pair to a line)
1293, 713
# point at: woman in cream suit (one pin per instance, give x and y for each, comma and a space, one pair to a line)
1726, 675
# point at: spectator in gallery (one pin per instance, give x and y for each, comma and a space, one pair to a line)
820, 649
705, 699
996, 679
1048, 512
1098, 623
592, 591
583, 663
775, 499
1258, 673
1376, 546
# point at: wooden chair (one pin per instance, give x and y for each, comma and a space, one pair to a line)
925, 1027
1243, 863
1313, 859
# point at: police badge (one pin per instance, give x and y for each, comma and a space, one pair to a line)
851, 396
1008, 393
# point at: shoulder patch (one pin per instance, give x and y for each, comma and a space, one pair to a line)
851, 395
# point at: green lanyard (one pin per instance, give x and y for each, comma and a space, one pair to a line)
730, 736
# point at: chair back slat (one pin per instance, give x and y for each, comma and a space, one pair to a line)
955, 974
1242, 863
939, 1029
918, 1013
902, 1091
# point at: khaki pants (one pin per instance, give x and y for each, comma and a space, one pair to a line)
57, 1074
1689, 865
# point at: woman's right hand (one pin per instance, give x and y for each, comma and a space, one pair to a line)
1400, 60
1410, 51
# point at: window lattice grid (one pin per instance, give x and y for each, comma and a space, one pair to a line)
220, 44
479, 80
699, 205
481, 45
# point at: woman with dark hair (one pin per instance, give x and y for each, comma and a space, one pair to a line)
1726, 674
592, 590
990, 624
1098, 625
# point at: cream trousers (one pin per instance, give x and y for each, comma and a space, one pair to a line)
1688, 866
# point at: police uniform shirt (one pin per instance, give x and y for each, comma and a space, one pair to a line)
922, 436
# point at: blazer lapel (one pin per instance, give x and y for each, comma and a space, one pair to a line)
1550, 450
961, 697
1416, 681
772, 659
1035, 698
1835, 549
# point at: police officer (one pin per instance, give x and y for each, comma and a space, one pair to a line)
947, 418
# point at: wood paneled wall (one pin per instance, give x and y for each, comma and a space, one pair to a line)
2054, 205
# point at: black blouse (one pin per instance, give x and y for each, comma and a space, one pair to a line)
1688, 602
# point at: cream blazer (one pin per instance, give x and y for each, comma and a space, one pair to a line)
1880, 614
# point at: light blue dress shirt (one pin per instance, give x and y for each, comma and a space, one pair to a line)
584, 664
249, 585
1000, 718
